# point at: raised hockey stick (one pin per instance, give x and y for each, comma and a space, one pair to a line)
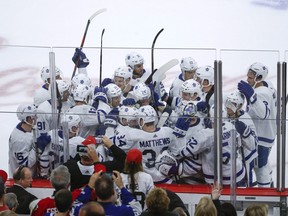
101, 48
85, 33
152, 57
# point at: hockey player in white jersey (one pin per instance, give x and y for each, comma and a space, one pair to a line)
73, 122
205, 76
136, 62
22, 149
261, 106
188, 71
122, 76
90, 117
203, 142
42, 94
151, 141
246, 128
189, 165
44, 110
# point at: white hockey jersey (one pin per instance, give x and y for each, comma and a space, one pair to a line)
21, 150
176, 86
263, 113
144, 183
151, 144
42, 94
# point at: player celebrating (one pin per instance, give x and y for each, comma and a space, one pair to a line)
21, 142
151, 141
261, 105
246, 128
188, 67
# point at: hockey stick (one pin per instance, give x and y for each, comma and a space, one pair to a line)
85, 33
152, 57
101, 48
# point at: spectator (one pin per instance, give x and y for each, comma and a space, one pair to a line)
228, 209
135, 180
8, 213
3, 178
60, 179
11, 201
92, 209
256, 210
205, 207
176, 204
22, 179
63, 202
107, 196
157, 202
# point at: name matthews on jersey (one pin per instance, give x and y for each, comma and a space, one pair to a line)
154, 143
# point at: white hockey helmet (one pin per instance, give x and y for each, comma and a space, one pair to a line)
26, 110
192, 87
62, 87
141, 91
113, 91
188, 64
206, 73
212, 111
45, 73
234, 100
73, 121
128, 113
148, 114
80, 79
260, 70
124, 71
133, 59
82, 93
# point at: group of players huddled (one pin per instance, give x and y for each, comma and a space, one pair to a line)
173, 130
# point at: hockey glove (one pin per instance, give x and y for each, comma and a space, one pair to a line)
129, 102
207, 122
79, 58
202, 107
100, 94
242, 128
248, 91
42, 141
106, 81
182, 126
112, 118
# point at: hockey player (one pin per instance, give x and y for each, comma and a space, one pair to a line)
42, 94
246, 128
22, 150
203, 143
188, 71
205, 76
189, 165
261, 106
151, 141
90, 117
135, 61
73, 122
122, 77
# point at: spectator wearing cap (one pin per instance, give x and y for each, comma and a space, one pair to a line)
134, 178
22, 179
3, 178
82, 170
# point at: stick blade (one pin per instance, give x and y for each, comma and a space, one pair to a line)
97, 13
159, 75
